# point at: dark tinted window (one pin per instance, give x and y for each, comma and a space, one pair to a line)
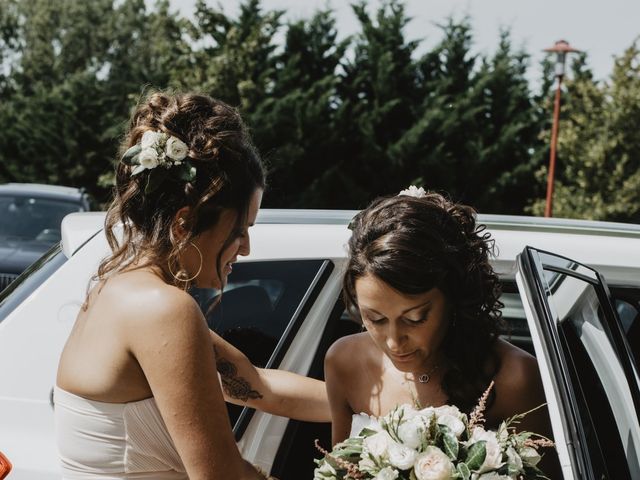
30, 279
261, 308
30, 218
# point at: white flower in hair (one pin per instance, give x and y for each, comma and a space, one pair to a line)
414, 191
148, 158
151, 139
159, 149
176, 149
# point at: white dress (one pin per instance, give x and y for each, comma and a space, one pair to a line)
114, 441
359, 421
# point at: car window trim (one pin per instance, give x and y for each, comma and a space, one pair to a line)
298, 317
534, 292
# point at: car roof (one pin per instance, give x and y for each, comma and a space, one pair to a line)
40, 189
612, 248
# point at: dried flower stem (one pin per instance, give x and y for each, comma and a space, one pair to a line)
476, 418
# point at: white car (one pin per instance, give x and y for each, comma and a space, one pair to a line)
282, 307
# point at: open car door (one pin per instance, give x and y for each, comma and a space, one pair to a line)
588, 371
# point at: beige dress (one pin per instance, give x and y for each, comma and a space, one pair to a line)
114, 441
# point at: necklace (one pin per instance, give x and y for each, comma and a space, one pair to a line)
425, 377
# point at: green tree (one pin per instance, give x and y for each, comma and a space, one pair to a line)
236, 60
295, 123
598, 164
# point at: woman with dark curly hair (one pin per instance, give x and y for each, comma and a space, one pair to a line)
137, 393
418, 273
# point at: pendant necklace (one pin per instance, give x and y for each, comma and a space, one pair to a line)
425, 377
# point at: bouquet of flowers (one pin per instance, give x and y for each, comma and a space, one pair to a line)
434, 444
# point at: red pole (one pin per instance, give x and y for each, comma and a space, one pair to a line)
548, 209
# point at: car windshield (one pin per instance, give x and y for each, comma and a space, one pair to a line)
25, 218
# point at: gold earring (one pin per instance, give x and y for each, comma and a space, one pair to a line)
182, 275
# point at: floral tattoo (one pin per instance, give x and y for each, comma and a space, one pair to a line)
232, 384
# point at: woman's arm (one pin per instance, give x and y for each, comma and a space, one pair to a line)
278, 392
336, 369
168, 337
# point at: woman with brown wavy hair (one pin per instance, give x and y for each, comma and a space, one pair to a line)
137, 393
419, 277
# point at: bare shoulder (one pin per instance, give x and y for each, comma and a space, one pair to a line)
342, 354
140, 302
517, 382
516, 366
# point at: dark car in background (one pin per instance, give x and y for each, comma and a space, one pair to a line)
30, 217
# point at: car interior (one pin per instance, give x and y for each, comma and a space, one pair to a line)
255, 313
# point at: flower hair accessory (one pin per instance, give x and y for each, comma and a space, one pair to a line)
413, 191
157, 149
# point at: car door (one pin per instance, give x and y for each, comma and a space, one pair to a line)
589, 376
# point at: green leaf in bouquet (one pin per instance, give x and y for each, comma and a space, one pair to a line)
130, 157
367, 432
463, 471
450, 443
476, 455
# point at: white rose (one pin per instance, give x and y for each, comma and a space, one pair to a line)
377, 445
148, 158
513, 460
530, 456
454, 424
493, 459
449, 410
176, 149
401, 456
361, 421
325, 472
412, 431
387, 473
433, 464
150, 139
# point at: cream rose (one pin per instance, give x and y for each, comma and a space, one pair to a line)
493, 459
150, 139
454, 424
492, 476
148, 158
433, 464
401, 456
378, 444
387, 473
412, 431
176, 149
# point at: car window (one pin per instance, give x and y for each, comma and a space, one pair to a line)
29, 218
30, 279
259, 307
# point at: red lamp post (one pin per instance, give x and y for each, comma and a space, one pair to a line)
561, 48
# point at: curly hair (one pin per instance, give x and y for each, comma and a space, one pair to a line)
229, 170
416, 244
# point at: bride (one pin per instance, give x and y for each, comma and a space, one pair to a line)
419, 275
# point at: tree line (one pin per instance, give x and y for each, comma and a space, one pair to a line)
338, 120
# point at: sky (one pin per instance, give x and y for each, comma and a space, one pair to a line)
602, 28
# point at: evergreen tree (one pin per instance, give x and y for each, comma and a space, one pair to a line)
295, 124
598, 167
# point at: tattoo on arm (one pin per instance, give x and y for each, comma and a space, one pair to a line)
232, 384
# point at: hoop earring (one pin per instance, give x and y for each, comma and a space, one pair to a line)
181, 276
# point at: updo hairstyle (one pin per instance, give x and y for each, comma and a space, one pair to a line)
416, 244
228, 172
